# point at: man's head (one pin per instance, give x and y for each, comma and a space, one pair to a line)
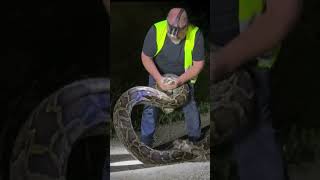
177, 24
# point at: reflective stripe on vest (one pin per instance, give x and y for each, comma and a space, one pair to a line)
161, 33
248, 10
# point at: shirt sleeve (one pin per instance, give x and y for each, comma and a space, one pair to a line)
149, 44
198, 50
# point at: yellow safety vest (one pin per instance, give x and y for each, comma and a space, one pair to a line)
161, 33
248, 10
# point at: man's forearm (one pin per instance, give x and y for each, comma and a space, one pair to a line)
150, 67
263, 34
190, 73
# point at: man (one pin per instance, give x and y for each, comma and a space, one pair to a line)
173, 46
249, 32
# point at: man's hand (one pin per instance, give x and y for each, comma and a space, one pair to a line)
165, 86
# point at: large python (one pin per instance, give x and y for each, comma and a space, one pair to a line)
43, 145
167, 101
45, 141
231, 108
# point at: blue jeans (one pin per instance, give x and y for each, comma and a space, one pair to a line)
257, 154
150, 115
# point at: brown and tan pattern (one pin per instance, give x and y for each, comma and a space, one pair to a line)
232, 105
44, 142
167, 101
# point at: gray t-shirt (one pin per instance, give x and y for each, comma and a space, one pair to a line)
171, 57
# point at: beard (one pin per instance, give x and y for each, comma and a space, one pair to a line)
175, 40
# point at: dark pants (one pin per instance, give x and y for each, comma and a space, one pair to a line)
150, 115
257, 154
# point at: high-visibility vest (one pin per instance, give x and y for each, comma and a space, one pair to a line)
248, 10
161, 33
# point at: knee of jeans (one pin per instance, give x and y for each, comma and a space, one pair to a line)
148, 109
192, 102
148, 112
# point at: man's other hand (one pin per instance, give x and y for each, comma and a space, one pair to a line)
167, 86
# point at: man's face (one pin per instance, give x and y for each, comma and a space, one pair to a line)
176, 32
177, 24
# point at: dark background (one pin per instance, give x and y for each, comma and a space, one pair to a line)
48, 44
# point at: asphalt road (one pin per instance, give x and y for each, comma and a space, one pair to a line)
124, 166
